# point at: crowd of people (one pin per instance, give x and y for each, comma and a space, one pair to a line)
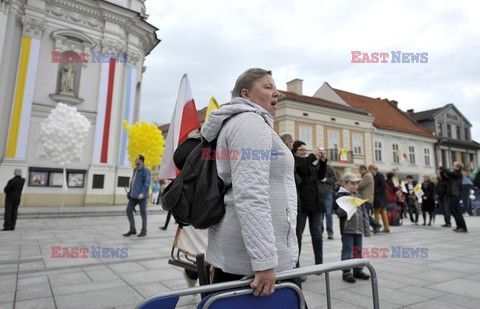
318, 189
267, 209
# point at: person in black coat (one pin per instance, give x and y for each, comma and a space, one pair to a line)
454, 185
441, 191
13, 193
312, 206
380, 197
411, 200
428, 199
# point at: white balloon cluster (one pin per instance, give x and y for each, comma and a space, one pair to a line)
63, 134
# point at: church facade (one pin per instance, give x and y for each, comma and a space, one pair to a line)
88, 54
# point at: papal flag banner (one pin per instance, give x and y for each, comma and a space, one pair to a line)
349, 204
402, 155
212, 105
342, 155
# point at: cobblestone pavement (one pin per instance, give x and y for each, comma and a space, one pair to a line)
30, 278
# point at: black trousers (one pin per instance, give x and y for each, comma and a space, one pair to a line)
454, 204
10, 218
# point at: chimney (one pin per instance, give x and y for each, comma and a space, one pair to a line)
295, 86
391, 101
410, 111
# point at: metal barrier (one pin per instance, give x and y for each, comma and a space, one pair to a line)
289, 274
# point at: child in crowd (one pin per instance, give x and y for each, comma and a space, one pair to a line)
411, 200
354, 229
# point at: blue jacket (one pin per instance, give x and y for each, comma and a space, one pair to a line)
155, 187
141, 184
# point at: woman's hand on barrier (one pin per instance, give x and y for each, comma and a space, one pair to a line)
264, 282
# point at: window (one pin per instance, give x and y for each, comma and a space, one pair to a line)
54, 177
123, 182
449, 130
452, 116
440, 129
467, 136
459, 136
333, 144
98, 181
357, 144
378, 151
444, 158
426, 152
411, 153
396, 159
75, 180
465, 159
306, 136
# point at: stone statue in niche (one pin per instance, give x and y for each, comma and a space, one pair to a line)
66, 80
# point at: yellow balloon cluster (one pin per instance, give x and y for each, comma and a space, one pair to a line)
147, 140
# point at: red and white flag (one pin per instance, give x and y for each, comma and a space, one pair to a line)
184, 120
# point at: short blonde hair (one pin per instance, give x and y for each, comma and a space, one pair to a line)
248, 79
373, 166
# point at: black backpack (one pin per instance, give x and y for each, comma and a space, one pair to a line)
195, 197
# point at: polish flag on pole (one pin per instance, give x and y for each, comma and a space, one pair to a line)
184, 120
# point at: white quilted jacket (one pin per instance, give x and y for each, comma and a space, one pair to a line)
258, 230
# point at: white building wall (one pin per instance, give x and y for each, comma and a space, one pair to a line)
388, 138
113, 33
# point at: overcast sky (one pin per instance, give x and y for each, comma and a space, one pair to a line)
215, 41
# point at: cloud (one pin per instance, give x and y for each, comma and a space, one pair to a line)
215, 41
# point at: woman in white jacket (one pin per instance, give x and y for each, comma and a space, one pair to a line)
257, 235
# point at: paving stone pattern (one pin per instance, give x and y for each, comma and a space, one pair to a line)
30, 278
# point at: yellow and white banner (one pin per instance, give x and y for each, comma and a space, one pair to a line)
342, 155
23, 97
350, 204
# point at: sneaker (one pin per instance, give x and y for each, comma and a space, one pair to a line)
361, 275
348, 277
142, 234
447, 225
130, 233
330, 236
460, 230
